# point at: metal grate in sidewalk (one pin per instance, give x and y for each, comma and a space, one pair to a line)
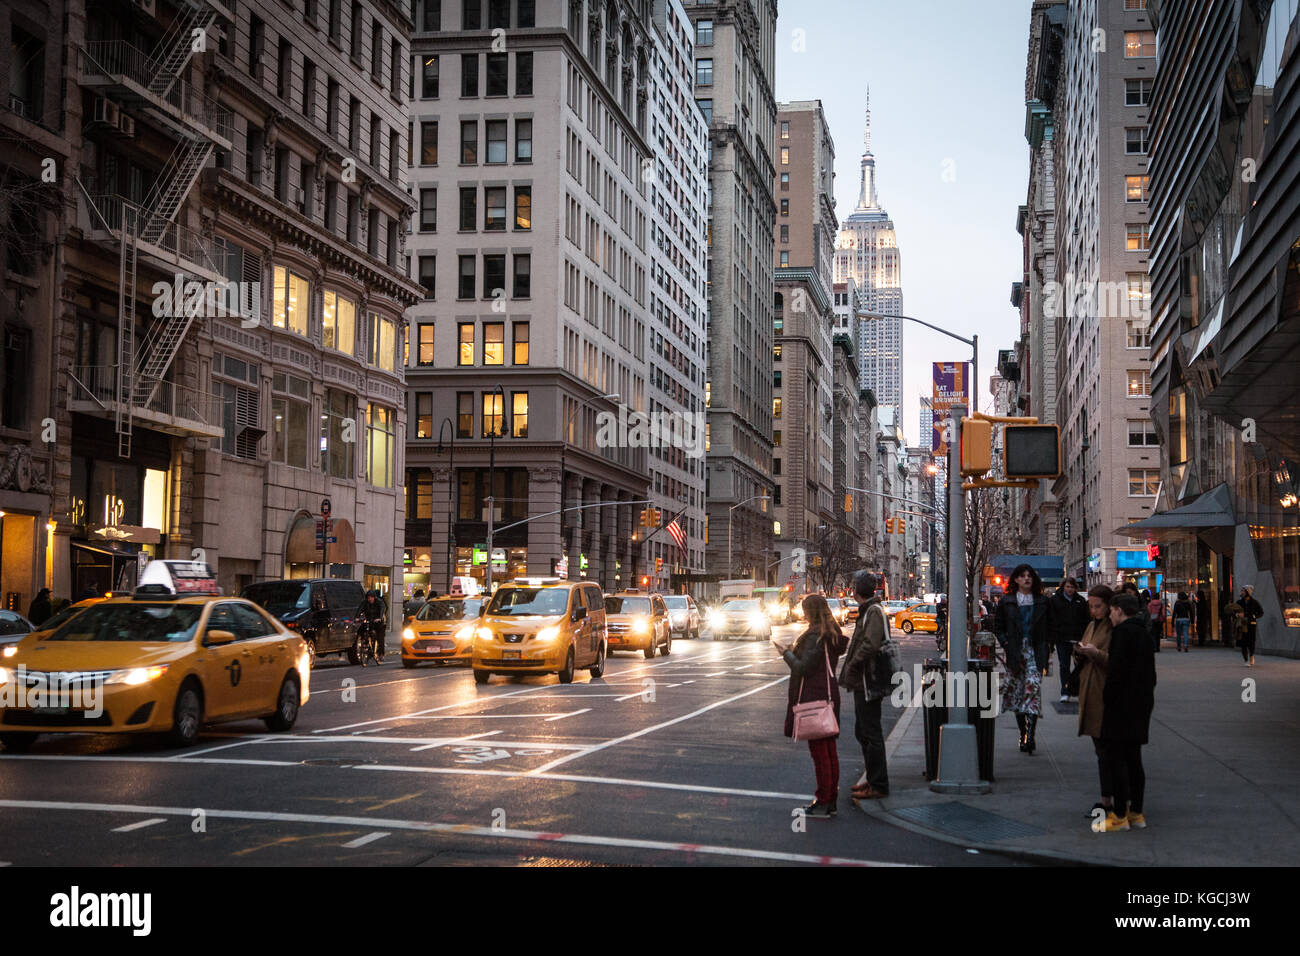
967, 822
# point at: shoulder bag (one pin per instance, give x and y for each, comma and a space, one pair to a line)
816, 719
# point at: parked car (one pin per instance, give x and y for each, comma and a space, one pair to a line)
918, 617
322, 610
638, 621
13, 628
745, 618
683, 615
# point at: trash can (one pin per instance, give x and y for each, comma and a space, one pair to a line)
932, 670
935, 669
985, 725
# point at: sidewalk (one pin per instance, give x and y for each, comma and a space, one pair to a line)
1223, 775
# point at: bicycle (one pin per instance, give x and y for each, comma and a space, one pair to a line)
370, 638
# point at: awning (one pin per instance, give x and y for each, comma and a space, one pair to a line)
1209, 517
1050, 567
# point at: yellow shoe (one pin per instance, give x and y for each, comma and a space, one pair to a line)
1137, 821
1110, 824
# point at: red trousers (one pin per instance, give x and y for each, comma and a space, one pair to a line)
826, 761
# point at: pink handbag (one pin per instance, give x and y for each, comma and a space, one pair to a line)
815, 720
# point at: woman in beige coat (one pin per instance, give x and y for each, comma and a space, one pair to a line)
1092, 652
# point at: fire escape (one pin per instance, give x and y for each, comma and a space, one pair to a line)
154, 85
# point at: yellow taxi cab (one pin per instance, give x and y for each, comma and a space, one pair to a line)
171, 658
541, 626
918, 617
638, 621
442, 630
67, 612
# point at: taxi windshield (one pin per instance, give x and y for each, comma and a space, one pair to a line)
538, 601
136, 622
627, 605
58, 620
450, 610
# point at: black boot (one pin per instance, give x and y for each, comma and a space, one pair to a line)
1031, 722
1020, 722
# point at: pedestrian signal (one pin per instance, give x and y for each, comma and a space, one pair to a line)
1030, 451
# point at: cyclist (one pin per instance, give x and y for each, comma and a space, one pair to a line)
373, 614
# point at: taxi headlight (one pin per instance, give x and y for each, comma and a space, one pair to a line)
641, 625
547, 633
465, 633
6, 674
136, 675
717, 620
483, 634
10, 651
758, 621
408, 634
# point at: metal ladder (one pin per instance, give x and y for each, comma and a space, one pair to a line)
127, 266
177, 45
173, 185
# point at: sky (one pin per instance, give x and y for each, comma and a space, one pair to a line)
947, 80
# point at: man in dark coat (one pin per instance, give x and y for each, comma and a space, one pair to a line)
1067, 619
1128, 698
40, 609
1202, 618
870, 633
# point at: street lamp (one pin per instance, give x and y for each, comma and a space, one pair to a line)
451, 489
973, 342
497, 431
564, 447
730, 517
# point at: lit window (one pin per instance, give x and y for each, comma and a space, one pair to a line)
1139, 237
1135, 188
381, 342
291, 302
1139, 43
519, 414
424, 344
1143, 482
340, 323
776, 408
380, 443
521, 343
494, 343
1139, 383
466, 338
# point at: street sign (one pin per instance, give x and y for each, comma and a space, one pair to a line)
498, 555
479, 554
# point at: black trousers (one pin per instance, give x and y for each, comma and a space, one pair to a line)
1104, 769
1069, 676
1128, 778
866, 727
1247, 644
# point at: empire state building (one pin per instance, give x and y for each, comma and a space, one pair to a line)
867, 252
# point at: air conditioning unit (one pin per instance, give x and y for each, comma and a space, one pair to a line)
106, 111
19, 106
126, 124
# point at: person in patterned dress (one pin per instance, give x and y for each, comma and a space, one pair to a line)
1021, 627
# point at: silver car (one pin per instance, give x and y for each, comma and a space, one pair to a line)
13, 628
683, 615
740, 618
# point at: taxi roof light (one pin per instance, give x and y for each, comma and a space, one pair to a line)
172, 578
535, 582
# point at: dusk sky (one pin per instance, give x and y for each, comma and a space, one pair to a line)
947, 94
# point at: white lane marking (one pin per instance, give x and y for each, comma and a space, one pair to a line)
574, 713
368, 838
432, 710
220, 761
715, 674
451, 740
199, 753
746, 666
380, 683
638, 693
667, 723
458, 829
571, 696
483, 716
140, 825
688, 682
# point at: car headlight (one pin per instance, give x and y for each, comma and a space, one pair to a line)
408, 634
465, 633
6, 674
717, 620
547, 633
136, 675
10, 651
758, 621
483, 634
641, 625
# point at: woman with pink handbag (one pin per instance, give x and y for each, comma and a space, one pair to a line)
813, 709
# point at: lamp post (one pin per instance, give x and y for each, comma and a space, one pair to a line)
973, 342
491, 495
564, 447
730, 518
451, 499
1083, 512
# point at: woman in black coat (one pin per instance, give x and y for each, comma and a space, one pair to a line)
1128, 699
1021, 626
812, 677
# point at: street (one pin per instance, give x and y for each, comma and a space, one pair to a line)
677, 760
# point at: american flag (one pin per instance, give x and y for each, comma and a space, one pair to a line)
678, 534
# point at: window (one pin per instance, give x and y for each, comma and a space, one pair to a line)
472, 12
332, 106
776, 379
284, 71
496, 141
423, 414
381, 342
309, 89
380, 444
1139, 287
1136, 187
523, 74
521, 343
522, 287
376, 50
492, 415
785, 233
527, 13
703, 72
338, 424
785, 207
469, 74
519, 414
291, 302
1142, 434
1137, 336
1135, 4
428, 210
776, 408
354, 37
776, 353
290, 413
785, 259
785, 181
465, 281
785, 155
428, 275
465, 334
256, 44
429, 78
15, 378
1139, 237
1136, 140
776, 466
240, 416
468, 208
523, 208
494, 343
498, 14
340, 321
469, 143
498, 74
431, 16
523, 141
785, 129
424, 343
1139, 383
1143, 482
776, 438
704, 33
428, 144
706, 108
494, 275
464, 414
1137, 92
494, 209
1139, 43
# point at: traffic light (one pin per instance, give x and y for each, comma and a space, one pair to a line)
1030, 451
659, 564
645, 580
658, 518
902, 525
848, 503
889, 526
645, 517
976, 446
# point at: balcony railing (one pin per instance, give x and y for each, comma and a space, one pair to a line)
117, 60
185, 410
180, 241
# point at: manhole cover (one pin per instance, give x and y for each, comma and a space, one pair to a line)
336, 761
967, 822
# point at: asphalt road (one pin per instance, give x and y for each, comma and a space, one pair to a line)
678, 760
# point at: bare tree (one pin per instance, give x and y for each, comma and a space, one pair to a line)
988, 532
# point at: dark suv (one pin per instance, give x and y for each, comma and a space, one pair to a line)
322, 611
